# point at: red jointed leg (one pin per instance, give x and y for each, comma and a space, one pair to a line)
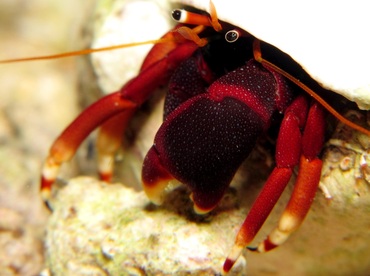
133, 94
288, 150
300, 202
67, 143
109, 141
306, 183
259, 212
156, 69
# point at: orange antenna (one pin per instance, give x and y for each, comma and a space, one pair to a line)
181, 16
87, 51
258, 56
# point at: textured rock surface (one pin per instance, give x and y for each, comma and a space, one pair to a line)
112, 230
346, 171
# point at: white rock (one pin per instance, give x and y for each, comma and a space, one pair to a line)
122, 22
329, 39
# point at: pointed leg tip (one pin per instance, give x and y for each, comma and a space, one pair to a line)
252, 248
105, 167
106, 177
236, 251
48, 206
264, 246
48, 177
45, 195
45, 188
227, 266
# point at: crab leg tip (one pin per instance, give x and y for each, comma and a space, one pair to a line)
49, 173
106, 177
268, 245
47, 179
45, 192
232, 258
227, 266
252, 248
48, 206
106, 167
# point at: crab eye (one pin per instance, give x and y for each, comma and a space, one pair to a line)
232, 36
179, 15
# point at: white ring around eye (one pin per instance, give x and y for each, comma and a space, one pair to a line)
232, 36
180, 15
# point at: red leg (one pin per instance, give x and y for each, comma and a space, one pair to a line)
288, 153
306, 184
67, 143
121, 104
109, 141
299, 204
110, 134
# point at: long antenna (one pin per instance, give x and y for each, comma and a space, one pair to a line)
86, 51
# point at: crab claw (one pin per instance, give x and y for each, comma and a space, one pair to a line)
201, 144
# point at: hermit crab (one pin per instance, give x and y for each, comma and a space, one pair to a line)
223, 94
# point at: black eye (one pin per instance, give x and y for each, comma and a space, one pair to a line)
232, 36
176, 14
